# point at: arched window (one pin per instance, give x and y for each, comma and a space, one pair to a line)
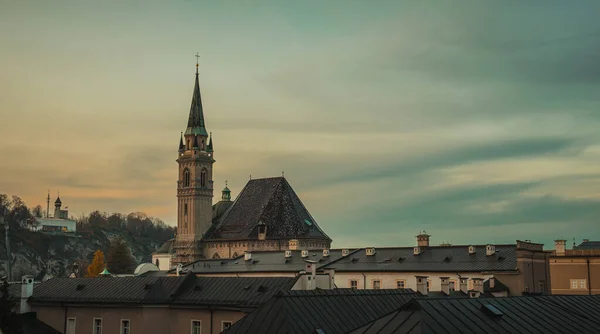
157, 263
216, 256
186, 177
203, 178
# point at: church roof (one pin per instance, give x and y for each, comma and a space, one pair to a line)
273, 202
219, 209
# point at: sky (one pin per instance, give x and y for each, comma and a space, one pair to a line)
476, 121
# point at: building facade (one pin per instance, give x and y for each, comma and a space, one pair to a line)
575, 271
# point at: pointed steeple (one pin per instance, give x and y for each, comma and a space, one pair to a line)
210, 143
196, 120
226, 193
181, 146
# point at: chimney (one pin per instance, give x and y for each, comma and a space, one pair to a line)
331, 273
345, 252
474, 294
492, 281
311, 273
26, 292
370, 251
422, 285
490, 250
423, 239
247, 256
325, 252
560, 247
288, 253
293, 244
464, 284
586, 240
478, 284
471, 249
304, 253
179, 268
445, 285
417, 250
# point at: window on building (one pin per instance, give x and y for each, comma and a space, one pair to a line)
186, 177
400, 284
225, 325
542, 285
125, 326
578, 284
71, 325
196, 326
97, 326
157, 263
354, 284
376, 284
203, 178
185, 209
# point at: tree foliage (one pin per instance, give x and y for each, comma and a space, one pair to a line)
9, 320
120, 260
97, 266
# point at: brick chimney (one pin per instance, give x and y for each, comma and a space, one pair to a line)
26, 292
464, 284
445, 285
422, 284
423, 239
560, 247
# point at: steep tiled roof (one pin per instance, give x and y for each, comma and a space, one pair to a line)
189, 289
332, 311
273, 202
267, 261
431, 259
528, 314
196, 120
588, 245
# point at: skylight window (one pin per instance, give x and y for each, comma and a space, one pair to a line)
308, 222
491, 310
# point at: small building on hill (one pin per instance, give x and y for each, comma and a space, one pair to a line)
59, 223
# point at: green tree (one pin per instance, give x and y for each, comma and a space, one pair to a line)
9, 320
94, 269
120, 260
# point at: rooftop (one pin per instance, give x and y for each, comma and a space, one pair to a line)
273, 202
332, 311
526, 314
431, 259
153, 290
588, 245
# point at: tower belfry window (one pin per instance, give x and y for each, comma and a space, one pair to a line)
186, 177
203, 178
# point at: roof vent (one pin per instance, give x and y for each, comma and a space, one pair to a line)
345, 252
370, 251
417, 250
492, 310
80, 286
471, 249
325, 252
261, 289
401, 258
288, 253
304, 253
247, 256
354, 260
490, 250
447, 259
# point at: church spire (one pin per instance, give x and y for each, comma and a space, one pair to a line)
196, 120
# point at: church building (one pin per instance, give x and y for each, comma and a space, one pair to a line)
267, 215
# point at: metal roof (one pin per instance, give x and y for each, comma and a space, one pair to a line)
189, 289
588, 245
331, 311
524, 314
431, 259
265, 261
273, 202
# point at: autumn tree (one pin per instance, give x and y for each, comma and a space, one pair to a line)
97, 266
120, 260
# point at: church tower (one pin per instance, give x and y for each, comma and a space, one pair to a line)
194, 183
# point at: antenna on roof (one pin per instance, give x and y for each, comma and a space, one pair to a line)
282, 174
250, 176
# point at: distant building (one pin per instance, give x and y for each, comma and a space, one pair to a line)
59, 223
183, 304
575, 271
267, 215
515, 268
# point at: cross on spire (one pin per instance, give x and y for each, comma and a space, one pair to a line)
225, 183
197, 57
